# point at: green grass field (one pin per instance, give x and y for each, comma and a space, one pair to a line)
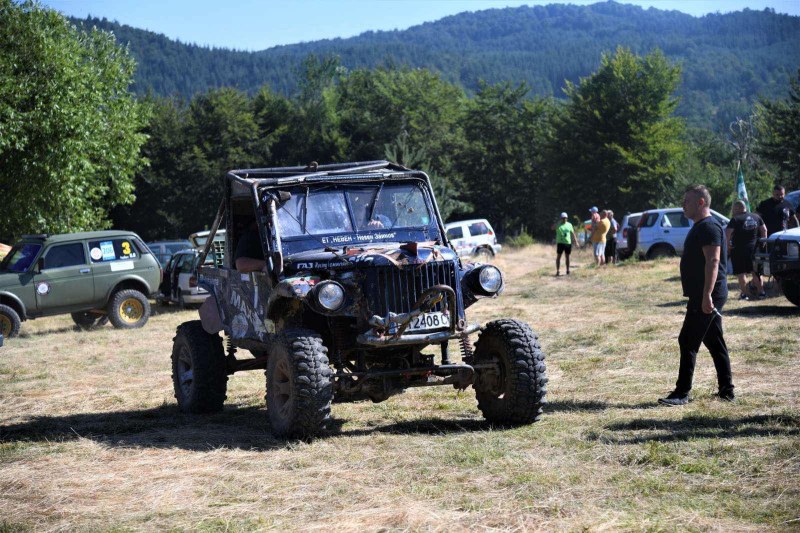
91, 439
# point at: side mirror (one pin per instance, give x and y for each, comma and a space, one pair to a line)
40, 264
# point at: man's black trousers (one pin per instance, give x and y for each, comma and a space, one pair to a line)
700, 328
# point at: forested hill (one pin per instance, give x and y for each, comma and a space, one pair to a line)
728, 60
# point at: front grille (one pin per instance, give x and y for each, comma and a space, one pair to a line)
397, 289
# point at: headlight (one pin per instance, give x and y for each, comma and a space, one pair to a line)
330, 295
793, 249
490, 279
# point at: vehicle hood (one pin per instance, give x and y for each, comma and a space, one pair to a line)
791, 234
384, 254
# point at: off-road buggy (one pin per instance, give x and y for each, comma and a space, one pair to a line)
358, 280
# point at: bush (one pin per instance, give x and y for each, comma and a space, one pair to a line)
520, 241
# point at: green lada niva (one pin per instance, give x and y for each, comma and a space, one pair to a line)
97, 277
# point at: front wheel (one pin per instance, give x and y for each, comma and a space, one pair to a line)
791, 289
199, 374
128, 308
299, 385
87, 321
514, 391
9, 322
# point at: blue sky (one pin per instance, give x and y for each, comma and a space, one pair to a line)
260, 24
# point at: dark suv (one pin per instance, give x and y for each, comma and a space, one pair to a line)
94, 276
359, 280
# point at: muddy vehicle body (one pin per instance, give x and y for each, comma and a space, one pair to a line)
358, 280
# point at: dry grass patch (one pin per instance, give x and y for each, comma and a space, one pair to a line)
90, 437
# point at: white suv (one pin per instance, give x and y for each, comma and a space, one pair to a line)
473, 238
661, 232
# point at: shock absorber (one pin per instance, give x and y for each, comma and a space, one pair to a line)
467, 352
339, 330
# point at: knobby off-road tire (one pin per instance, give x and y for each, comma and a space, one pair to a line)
299, 384
128, 309
791, 289
88, 321
199, 374
515, 395
9, 322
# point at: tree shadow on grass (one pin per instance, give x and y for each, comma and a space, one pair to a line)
644, 430
762, 310
592, 406
679, 303
52, 331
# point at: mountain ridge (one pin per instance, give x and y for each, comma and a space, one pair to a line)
728, 60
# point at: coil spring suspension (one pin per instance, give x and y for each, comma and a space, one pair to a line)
230, 348
467, 352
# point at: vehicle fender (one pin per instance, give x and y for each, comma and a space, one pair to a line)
209, 315
13, 301
131, 282
288, 295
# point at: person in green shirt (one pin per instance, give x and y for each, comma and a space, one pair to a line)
565, 236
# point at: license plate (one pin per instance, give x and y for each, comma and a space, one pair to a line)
429, 321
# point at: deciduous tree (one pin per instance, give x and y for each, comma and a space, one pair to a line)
70, 131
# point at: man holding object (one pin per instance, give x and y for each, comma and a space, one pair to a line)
703, 280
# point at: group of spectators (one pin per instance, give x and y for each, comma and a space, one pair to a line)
742, 234
745, 228
602, 236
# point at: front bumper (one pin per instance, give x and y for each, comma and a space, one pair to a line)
371, 338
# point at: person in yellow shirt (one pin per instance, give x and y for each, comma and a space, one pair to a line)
598, 238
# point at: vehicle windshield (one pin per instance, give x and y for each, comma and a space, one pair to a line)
21, 257
334, 209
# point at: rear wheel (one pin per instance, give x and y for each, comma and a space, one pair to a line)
9, 322
87, 320
514, 391
128, 309
484, 254
791, 289
199, 374
660, 250
299, 385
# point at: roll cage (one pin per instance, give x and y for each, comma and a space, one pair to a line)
258, 187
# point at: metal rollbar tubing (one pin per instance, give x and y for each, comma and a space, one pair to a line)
212, 233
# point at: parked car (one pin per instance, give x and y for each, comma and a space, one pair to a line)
779, 256
179, 282
661, 232
163, 250
96, 277
473, 238
200, 238
626, 236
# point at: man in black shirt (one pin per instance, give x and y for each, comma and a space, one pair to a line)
703, 280
742, 233
778, 214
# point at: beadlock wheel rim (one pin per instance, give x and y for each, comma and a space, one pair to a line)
185, 372
5, 325
131, 310
282, 384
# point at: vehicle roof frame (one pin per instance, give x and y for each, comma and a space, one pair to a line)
252, 180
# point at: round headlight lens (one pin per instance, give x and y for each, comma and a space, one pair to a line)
490, 279
330, 296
